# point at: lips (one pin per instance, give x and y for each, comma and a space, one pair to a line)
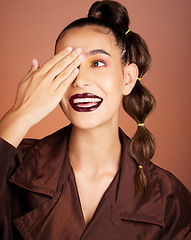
85, 102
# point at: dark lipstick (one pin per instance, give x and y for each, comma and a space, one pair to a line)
85, 102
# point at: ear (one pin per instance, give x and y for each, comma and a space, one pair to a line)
131, 73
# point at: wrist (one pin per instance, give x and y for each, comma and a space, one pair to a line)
13, 127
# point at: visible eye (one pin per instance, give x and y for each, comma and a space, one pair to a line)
98, 63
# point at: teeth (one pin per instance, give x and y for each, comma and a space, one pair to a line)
86, 100
89, 105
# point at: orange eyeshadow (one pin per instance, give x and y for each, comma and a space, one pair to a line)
89, 62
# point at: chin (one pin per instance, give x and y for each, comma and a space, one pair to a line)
90, 120
85, 123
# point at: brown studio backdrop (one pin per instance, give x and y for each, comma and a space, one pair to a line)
29, 29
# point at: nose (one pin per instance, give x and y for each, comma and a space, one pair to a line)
81, 80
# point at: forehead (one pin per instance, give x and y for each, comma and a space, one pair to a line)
88, 38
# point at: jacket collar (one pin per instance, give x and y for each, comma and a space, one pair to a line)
42, 169
48, 169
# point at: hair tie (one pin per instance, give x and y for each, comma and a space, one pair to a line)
140, 166
140, 124
128, 31
139, 79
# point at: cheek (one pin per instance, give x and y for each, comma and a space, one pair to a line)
64, 104
112, 82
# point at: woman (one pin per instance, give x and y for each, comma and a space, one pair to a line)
88, 180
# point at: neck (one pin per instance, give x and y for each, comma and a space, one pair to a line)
95, 150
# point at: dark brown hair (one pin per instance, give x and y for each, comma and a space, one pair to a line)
139, 103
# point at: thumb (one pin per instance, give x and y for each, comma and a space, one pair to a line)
34, 66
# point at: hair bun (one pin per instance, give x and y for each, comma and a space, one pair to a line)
110, 13
97, 15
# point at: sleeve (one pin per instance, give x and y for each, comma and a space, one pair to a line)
10, 159
7, 154
176, 201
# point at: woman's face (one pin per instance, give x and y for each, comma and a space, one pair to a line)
93, 99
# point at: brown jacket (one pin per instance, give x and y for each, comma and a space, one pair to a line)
39, 198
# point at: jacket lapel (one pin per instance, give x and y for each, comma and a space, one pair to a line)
42, 167
46, 170
58, 218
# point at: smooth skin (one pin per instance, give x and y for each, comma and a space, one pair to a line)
94, 145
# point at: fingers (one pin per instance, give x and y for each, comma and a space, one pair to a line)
63, 85
34, 67
69, 73
73, 59
56, 58
61, 69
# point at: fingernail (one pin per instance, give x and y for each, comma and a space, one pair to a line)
33, 62
68, 49
80, 57
78, 50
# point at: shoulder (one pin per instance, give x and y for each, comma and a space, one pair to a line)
170, 184
175, 202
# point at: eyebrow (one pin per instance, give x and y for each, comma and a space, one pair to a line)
97, 51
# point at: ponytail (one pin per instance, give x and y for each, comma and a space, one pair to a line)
138, 104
